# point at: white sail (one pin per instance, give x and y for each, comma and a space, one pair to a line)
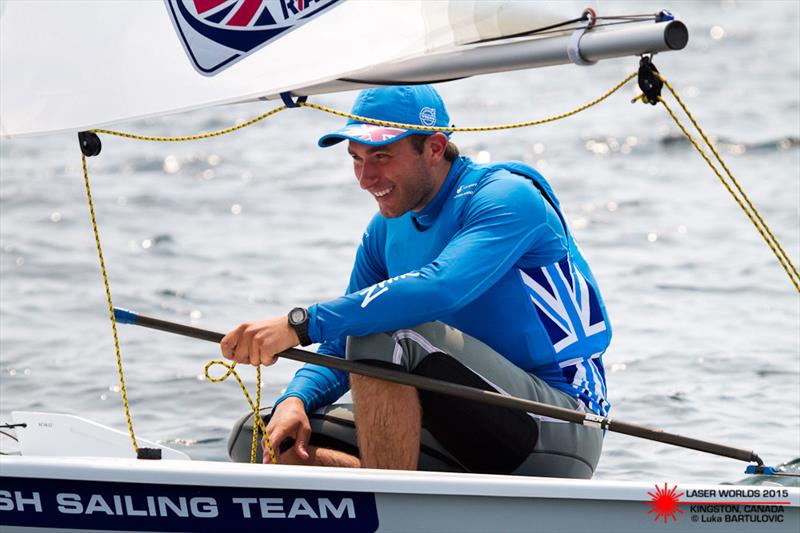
76, 65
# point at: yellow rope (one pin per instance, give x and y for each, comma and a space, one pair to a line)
258, 423
193, 137
373, 121
110, 306
467, 129
744, 203
738, 188
257, 415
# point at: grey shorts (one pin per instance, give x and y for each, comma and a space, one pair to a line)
485, 438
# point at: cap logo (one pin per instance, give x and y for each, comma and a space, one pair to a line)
371, 133
427, 116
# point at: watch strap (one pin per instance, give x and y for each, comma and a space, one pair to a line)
300, 326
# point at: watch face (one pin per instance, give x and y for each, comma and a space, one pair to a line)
297, 315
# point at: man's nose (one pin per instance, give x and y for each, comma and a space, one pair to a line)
368, 176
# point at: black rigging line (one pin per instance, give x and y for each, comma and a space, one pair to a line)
622, 19
9, 435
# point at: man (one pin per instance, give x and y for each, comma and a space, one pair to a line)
468, 274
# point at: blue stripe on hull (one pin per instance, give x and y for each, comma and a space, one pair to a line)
100, 505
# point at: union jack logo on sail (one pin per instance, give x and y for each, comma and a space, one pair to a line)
252, 13
218, 33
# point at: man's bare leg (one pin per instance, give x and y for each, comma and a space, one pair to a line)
388, 423
320, 457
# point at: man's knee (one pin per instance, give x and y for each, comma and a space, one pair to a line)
359, 383
375, 347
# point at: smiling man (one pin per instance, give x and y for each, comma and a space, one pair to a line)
468, 274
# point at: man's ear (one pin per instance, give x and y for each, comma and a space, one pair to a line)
435, 146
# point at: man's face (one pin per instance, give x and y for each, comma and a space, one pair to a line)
398, 177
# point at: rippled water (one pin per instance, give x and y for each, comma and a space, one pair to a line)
707, 324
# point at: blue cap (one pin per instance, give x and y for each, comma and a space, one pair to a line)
414, 104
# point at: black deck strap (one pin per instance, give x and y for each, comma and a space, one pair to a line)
288, 102
322, 439
649, 81
90, 143
148, 453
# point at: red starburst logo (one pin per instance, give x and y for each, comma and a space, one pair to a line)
665, 503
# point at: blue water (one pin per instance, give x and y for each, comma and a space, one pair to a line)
212, 233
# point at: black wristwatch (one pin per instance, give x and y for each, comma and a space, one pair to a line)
298, 319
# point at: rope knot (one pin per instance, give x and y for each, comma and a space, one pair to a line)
231, 370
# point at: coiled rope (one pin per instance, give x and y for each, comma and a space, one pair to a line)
258, 422
258, 425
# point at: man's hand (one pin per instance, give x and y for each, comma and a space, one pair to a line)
289, 420
257, 342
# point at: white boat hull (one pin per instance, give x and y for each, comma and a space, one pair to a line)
111, 494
